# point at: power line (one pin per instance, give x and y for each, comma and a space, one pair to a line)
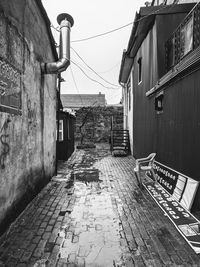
111, 68
78, 89
76, 84
55, 28
92, 78
119, 28
116, 29
83, 67
153, 13
93, 69
101, 34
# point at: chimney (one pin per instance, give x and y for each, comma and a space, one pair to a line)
66, 22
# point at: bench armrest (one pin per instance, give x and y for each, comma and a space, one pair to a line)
146, 161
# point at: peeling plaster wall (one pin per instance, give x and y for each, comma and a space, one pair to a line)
27, 105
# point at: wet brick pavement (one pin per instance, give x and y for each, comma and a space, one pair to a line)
94, 214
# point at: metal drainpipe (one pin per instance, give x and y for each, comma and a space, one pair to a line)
58, 122
66, 22
125, 113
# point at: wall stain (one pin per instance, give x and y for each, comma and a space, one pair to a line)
31, 116
5, 148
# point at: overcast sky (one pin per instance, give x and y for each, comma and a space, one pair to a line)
103, 54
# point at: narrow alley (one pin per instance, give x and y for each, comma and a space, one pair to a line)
94, 214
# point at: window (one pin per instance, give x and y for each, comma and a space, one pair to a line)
170, 52
61, 134
140, 70
187, 37
129, 94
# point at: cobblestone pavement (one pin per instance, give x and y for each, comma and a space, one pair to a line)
94, 214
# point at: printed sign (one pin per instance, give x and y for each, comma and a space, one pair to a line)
180, 186
10, 67
9, 85
166, 177
185, 222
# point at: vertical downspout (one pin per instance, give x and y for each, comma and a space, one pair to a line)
58, 122
125, 111
66, 22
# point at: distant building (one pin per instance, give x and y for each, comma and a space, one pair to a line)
76, 101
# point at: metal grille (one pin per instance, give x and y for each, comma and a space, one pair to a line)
179, 44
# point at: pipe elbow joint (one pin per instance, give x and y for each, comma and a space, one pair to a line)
55, 67
66, 22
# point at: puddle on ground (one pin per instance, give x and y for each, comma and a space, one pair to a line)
93, 232
96, 227
84, 175
87, 175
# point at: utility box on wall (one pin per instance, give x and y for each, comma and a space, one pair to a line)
27, 105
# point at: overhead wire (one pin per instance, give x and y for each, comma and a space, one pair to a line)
101, 34
163, 7
119, 28
73, 77
116, 29
92, 78
93, 69
55, 28
78, 89
153, 13
98, 35
75, 84
81, 68
111, 68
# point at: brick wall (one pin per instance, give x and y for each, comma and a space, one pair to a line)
96, 123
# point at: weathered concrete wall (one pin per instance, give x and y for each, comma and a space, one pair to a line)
27, 104
96, 123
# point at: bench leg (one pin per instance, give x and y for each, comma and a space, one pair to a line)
154, 175
138, 177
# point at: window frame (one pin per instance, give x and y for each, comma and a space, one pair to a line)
61, 131
139, 70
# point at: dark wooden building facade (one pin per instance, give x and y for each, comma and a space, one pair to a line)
160, 74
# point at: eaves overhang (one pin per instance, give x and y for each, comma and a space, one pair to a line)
139, 31
143, 22
143, 27
48, 27
125, 69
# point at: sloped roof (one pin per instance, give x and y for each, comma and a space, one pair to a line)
48, 27
76, 101
144, 20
